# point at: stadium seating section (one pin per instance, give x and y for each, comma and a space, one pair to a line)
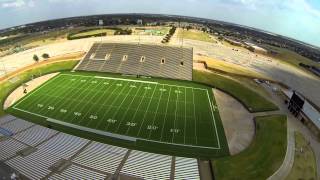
41, 153
139, 59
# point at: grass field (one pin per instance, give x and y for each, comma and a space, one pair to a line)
166, 114
252, 100
194, 35
109, 32
304, 166
264, 155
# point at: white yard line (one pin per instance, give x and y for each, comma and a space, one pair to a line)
28, 95
82, 102
110, 106
129, 107
73, 93
102, 96
84, 106
214, 120
185, 145
104, 114
135, 113
51, 91
120, 79
149, 82
115, 113
154, 117
175, 116
165, 117
146, 112
45, 100
185, 115
194, 117
57, 103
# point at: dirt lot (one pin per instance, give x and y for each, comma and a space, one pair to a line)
299, 80
31, 85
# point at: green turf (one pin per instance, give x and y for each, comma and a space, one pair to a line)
264, 155
8, 86
252, 100
161, 115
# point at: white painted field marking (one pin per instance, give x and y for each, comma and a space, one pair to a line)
121, 79
107, 133
125, 113
124, 99
45, 100
58, 103
135, 113
73, 93
214, 120
165, 117
28, 95
112, 121
146, 112
84, 105
194, 117
111, 105
175, 116
101, 97
154, 117
92, 83
150, 82
185, 145
185, 115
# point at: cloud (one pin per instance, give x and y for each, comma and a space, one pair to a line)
13, 4
17, 3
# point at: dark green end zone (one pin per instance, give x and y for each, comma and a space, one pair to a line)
157, 115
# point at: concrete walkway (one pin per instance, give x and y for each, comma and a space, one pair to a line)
237, 122
288, 161
295, 125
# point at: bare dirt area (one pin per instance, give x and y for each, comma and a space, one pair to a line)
237, 122
299, 80
31, 85
199, 66
60, 58
25, 58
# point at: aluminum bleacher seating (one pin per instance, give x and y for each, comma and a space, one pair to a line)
76, 172
147, 165
96, 60
17, 125
85, 159
6, 119
186, 168
102, 157
35, 135
9, 148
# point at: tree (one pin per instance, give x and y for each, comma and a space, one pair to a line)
36, 58
45, 56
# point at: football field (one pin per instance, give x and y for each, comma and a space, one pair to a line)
151, 110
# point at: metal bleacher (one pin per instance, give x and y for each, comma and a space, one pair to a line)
109, 57
37, 152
